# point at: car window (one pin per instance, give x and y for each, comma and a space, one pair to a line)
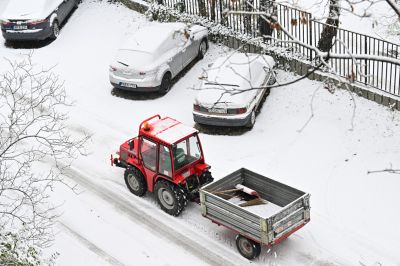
130, 57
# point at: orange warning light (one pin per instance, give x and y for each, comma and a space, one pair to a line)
146, 126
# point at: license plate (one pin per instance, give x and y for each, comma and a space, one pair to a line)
128, 85
217, 110
20, 27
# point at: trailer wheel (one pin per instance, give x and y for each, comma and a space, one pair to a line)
135, 182
171, 198
248, 248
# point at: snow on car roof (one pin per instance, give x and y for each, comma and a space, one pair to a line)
28, 9
232, 73
169, 130
150, 38
239, 69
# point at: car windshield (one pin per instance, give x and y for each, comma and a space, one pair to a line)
131, 58
186, 152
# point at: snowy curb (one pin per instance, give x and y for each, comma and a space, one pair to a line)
292, 63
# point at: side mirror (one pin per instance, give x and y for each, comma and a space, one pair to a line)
191, 37
131, 145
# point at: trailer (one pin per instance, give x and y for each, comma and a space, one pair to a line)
279, 211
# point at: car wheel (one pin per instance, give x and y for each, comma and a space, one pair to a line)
248, 248
272, 79
55, 30
135, 182
252, 119
165, 83
202, 49
170, 197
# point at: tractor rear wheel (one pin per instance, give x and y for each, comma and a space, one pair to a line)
170, 197
248, 248
135, 182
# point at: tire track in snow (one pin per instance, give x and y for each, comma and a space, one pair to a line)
95, 249
189, 240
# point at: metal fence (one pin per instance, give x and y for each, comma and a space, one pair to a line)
299, 24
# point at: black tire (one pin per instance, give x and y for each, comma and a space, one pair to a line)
247, 247
170, 197
202, 49
55, 30
135, 181
165, 86
252, 119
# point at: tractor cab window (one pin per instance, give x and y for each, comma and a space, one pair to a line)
186, 152
149, 154
164, 164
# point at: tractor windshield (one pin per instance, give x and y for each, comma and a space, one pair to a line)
186, 152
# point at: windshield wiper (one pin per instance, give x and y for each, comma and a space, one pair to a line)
123, 63
221, 84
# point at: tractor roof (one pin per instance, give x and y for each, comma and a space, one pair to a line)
168, 130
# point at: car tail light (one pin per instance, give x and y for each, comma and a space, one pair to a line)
237, 110
113, 68
196, 107
36, 22
5, 23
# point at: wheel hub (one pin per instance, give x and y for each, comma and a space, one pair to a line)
203, 48
245, 246
166, 198
133, 183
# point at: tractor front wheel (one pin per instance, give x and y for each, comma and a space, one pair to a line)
135, 182
248, 248
170, 197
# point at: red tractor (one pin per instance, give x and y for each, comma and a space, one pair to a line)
166, 158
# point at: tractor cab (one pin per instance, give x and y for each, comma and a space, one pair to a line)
166, 154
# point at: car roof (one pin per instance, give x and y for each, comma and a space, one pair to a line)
230, 74
28, 9
150, 38
168, 130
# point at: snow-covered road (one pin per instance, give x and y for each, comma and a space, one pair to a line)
354, 215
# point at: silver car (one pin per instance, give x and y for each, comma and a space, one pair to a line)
232, 90
34, 20
155, 54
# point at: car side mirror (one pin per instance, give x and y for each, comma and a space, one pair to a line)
191, 37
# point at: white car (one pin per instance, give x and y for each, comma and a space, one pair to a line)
34, 20
155, 54
232, 90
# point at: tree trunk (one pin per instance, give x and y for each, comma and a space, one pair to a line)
330, 30
212, 11
202, 8
268, 7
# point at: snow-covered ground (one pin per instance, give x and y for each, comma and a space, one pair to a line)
354, 215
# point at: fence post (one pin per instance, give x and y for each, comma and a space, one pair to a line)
366, 61
310, 35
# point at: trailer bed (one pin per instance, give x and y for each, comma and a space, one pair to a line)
287, 209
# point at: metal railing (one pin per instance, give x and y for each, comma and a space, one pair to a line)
374, 72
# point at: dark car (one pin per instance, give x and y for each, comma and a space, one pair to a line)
34, 20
